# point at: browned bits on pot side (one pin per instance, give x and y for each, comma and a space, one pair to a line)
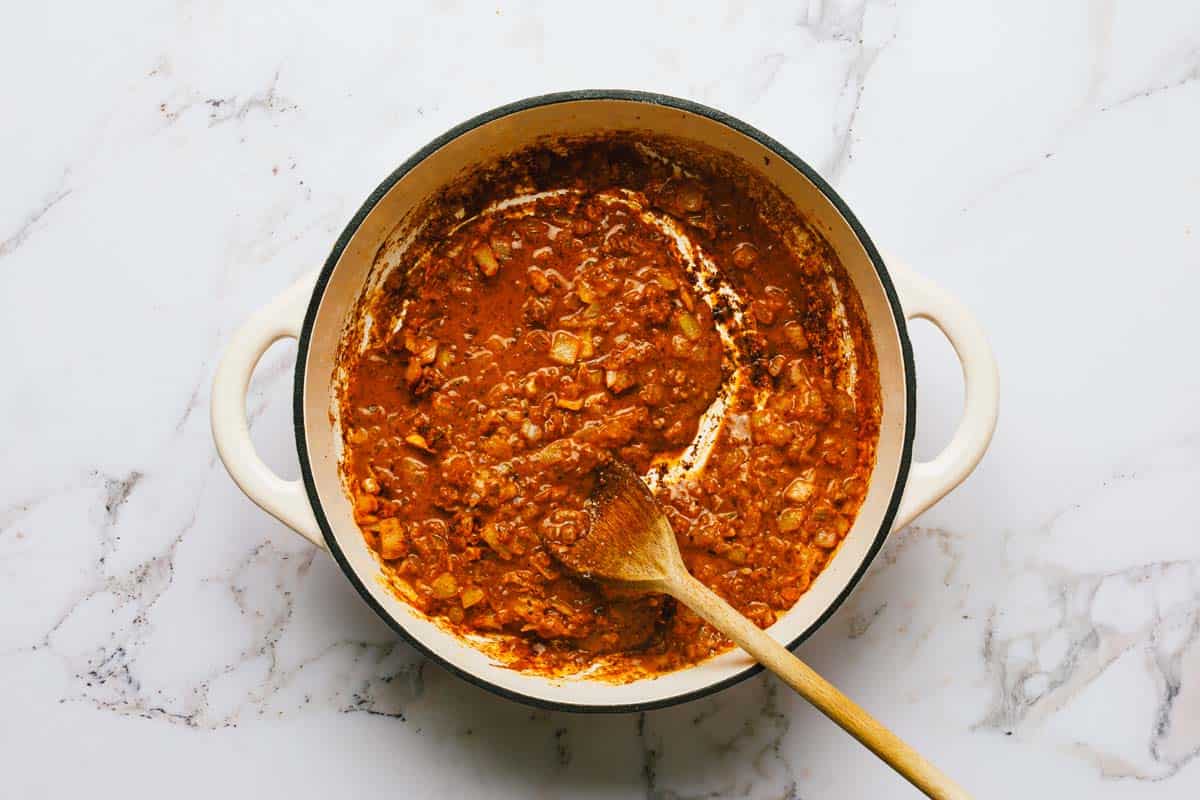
538, 344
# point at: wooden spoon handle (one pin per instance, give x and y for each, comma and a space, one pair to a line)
813, 688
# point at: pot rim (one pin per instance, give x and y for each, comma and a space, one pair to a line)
650, 98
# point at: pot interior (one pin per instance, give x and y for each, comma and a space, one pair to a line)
481, 141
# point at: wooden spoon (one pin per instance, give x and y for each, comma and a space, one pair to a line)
630, 543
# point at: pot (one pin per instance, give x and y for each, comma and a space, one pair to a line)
315, 309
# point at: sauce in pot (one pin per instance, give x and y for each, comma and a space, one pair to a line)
618, 305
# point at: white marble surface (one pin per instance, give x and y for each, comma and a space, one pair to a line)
168, 167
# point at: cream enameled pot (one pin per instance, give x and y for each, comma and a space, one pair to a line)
314, 310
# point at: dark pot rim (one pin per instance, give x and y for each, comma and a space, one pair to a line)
569, 97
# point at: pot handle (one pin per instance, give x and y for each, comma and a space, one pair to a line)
930, 481
287, 501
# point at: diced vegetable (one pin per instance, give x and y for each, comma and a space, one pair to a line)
592, 311
587, 347
570, 404
564, 348
538, 280
391, 538
596, 401
413, 469
486, 260
654, 394
791, 519
482, 480
586, 292
370, 485
554, 453
854, 488
666, 281
826, 539
491, 534
445, 357
444, 586
737, 554
417, 440
800, 490
689, 325
497, 446
501, 246
428, 352
531, 432
471, 595
412, 371
618, 380
767, 426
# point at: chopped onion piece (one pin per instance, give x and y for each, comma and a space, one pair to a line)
417, 440
491, 534
689, 325
666, 281
502, 247
530, 431
826, 539
444, 586
471, 595
554, 453
564, 348
486, 260
799, 490
412, 371
391, 538
586, 293
428, 352
538, 280
790, 519
618, 380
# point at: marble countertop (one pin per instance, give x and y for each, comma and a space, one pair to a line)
168, 167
